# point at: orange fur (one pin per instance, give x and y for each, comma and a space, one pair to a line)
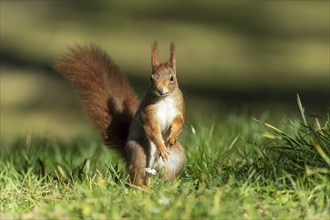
154, 55
152, 129
105, 93
147, 127
172, 59
145, 134
176, 128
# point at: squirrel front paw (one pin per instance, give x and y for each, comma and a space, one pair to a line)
171, 141
163, 153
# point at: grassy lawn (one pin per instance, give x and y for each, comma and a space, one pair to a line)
236, 168
239, 65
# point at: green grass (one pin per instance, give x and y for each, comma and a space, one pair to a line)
237, 168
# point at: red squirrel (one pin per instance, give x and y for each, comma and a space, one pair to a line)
144, 133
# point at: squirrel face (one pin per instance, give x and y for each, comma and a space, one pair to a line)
163, 78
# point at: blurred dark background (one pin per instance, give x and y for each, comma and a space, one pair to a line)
233, 57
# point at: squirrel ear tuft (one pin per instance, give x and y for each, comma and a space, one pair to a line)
172, 59
154, 55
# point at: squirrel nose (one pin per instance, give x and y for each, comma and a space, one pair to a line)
161, 91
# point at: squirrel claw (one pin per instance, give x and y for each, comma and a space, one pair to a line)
164, 153
171, 141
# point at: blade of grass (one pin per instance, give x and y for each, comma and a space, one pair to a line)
322, 154
302, 110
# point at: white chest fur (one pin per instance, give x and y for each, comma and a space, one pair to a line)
166, 112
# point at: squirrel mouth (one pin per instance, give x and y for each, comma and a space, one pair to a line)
162, 94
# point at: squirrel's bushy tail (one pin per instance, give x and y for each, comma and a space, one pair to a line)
104, 91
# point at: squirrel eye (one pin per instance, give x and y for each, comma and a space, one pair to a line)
171, 78
151, 79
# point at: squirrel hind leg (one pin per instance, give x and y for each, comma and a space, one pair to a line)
175, 162
136, 163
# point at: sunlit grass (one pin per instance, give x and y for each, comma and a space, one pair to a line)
239, 166
233, 170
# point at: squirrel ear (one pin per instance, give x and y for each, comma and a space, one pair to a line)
154, 55
172, 59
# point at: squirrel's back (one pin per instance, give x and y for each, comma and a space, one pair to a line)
105, 93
